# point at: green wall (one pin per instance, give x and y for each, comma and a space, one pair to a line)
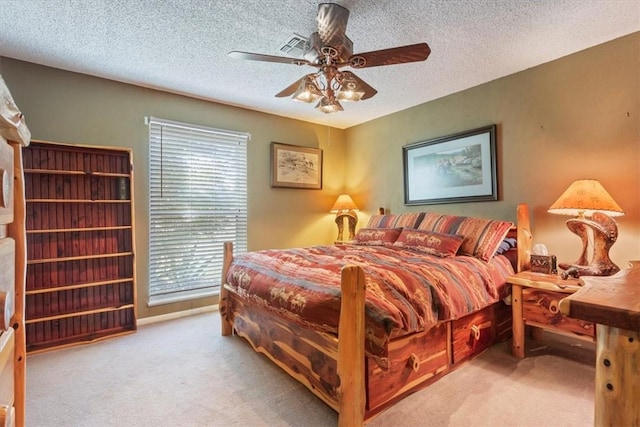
61, 106
576, 117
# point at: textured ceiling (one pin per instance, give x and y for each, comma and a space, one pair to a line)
182, 46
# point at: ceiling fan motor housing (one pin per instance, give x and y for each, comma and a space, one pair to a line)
316, 50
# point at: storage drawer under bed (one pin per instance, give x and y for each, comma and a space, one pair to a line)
472, 334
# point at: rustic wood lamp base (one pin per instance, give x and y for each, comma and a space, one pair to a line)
353, 220
605, 234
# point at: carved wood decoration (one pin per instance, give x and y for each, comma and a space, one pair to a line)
605, 233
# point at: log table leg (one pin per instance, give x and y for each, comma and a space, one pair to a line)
517, 346
617, 377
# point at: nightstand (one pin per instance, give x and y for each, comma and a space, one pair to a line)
535, 299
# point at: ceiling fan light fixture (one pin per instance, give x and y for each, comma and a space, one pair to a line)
350, 90
329, 105
307, 91
328, 50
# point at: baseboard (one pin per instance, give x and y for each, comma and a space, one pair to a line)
176, 315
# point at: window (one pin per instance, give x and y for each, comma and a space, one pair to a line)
197, 201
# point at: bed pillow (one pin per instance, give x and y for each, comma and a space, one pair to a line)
410, 220
438, 244
481, 236
376, 236
506, 245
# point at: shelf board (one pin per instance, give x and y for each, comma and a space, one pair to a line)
75, 172
78, 201
78, 286
77, 258
71, 230
80, 339
79, 313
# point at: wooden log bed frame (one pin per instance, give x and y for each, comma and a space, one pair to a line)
336, 368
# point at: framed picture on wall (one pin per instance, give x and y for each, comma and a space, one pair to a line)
451, 169
294, 166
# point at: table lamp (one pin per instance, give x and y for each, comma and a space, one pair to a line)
592, 207
345, 207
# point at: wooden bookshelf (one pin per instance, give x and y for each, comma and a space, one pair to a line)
80, 244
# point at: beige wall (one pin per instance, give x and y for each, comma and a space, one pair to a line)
577, 117
572, 118
74, 108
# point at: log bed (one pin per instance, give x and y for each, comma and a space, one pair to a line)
338, 370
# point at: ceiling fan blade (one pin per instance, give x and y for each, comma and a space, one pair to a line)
267, 58
369, 92
291, 89
394, 55
332, 24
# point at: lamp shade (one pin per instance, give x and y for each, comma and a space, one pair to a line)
344, 203
583, 198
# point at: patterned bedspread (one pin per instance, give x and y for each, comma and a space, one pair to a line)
406, 291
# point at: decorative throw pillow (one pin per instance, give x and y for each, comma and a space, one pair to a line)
481, 236
410, 220
376, 236
380, 221
438, 244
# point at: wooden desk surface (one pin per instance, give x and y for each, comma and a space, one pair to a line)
612, 300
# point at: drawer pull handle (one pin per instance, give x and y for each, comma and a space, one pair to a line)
414, 362
475, 330
553, 307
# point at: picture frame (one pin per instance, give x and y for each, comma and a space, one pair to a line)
294, 166
452, 169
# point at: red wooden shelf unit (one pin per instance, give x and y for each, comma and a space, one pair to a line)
80, 244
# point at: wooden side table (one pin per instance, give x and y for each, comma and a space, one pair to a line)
535, 303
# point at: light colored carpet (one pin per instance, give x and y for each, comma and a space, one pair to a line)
183, 373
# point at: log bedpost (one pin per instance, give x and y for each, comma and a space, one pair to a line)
524, 237
351, 356
18, 231
225, 324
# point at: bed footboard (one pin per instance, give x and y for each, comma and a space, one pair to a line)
332, 369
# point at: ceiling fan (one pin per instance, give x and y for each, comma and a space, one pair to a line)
329, 50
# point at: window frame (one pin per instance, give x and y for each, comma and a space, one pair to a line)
186, 163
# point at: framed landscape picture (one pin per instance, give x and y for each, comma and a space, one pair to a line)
293, 166
451, 169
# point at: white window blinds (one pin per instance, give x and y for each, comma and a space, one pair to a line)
197, 201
